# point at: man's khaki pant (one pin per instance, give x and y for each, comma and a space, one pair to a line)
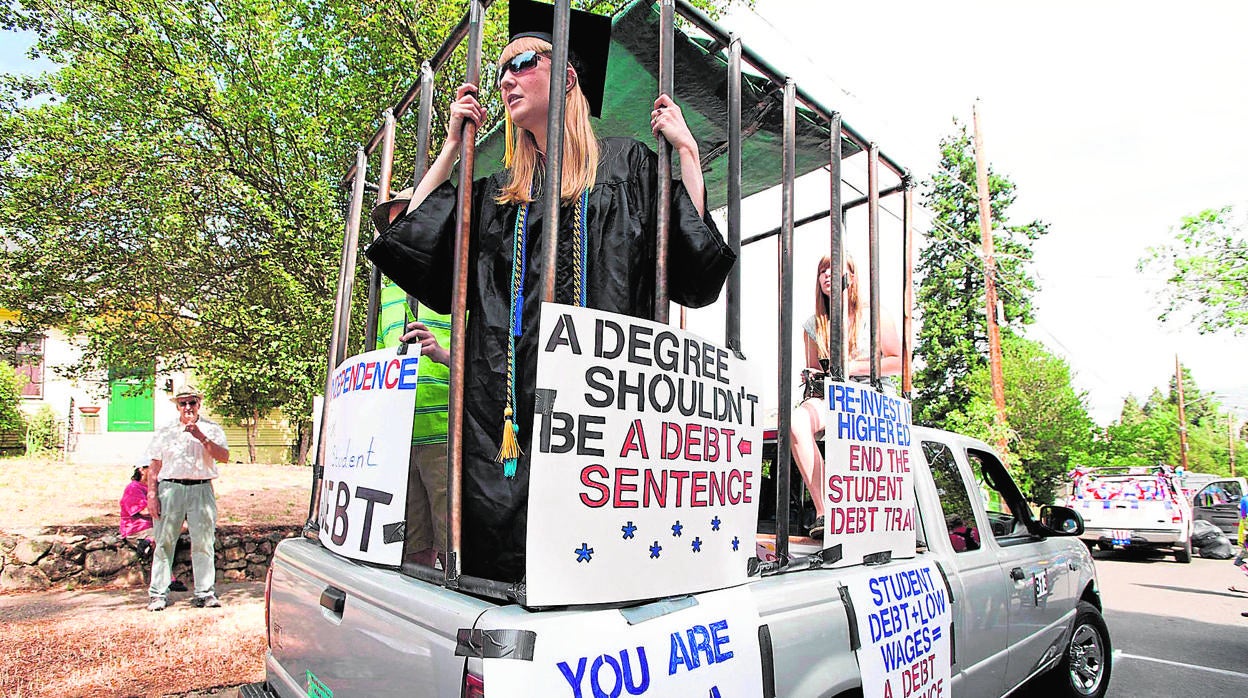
197, 505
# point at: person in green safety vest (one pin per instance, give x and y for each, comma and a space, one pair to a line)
426, 480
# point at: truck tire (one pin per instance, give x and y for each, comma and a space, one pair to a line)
1086, 663
1184, 555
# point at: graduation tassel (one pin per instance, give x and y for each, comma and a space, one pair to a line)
509, 454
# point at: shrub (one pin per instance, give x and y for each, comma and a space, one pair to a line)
11, 420
43, 432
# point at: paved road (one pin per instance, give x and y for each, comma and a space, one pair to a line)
1176, 629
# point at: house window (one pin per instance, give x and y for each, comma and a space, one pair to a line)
28, 362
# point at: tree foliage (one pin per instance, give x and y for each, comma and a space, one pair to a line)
173, 189
1206, 271
953, 339
1148, 433
1049, 427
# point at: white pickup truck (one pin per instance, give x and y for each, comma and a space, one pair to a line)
957, 598
1023, 596
1133, 507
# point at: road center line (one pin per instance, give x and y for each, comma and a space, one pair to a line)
1118, 654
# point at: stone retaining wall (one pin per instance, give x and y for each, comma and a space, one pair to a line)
77, 556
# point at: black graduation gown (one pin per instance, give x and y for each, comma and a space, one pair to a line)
417, 252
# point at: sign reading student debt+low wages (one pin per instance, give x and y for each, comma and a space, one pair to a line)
708, 649
369, 434
904, 621
869, 488
645, 458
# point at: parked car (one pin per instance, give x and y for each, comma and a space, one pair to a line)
1217, 502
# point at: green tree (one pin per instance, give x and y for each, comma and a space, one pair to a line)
1049, 428
953, 339
1206, 271
172, 190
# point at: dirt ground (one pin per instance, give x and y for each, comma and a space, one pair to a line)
35, 493
103, 642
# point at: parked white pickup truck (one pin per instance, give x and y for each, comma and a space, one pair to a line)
1133, 507
1023, 596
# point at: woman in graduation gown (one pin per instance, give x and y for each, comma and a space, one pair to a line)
606, 254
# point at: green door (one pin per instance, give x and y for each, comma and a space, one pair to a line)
131, 402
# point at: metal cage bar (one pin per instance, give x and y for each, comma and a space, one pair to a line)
554, 148
667, 61
732, 304
836, 242
459, 301
385, 172
784, 243
873, 257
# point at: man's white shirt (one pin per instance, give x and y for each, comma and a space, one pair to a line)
182, 456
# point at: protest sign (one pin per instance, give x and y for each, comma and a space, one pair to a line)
367, 446
709, 649
868, 486
645, 459
904, 620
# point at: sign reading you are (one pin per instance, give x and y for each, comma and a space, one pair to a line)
645, 460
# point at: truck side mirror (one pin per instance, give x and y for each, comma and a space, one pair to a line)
1060, 521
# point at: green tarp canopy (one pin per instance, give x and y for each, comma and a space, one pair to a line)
702, 93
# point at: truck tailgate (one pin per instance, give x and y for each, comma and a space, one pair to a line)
368, 632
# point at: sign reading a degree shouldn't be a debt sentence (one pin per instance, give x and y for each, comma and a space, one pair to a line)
868, 487
645, 459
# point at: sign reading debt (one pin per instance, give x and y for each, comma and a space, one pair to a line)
367, 446
869, 488
645, 457
904, 621
709, 648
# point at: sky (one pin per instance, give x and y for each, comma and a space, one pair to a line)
1114, 119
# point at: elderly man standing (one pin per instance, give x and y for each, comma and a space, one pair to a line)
184, 457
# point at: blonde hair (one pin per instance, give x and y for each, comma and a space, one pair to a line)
580, 145
822, 301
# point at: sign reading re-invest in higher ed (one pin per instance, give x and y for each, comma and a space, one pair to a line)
644, 461
868, 486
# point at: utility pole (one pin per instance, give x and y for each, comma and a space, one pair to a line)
1230, 439
990, 285
1178, 379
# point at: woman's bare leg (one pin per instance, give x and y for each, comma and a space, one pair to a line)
807, 425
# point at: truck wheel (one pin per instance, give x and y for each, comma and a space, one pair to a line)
1084, 669
1184, 554
1105, 546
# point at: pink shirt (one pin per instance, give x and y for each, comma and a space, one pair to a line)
133, 502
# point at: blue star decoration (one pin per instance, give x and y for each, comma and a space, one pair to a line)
629, 529
736, 543
654, 549
697, 545
676, 529
715, 523
584, 554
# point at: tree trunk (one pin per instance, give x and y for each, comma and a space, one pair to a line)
253, 427
305, 444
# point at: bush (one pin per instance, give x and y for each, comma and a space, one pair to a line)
11, 420
43, 432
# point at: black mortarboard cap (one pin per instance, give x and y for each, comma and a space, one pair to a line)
589, 42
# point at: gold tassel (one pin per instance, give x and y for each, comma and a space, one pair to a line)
509, 454
509, 149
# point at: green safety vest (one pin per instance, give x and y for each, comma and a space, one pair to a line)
434, 381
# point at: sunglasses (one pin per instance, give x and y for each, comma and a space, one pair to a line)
520, 64
188, 403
